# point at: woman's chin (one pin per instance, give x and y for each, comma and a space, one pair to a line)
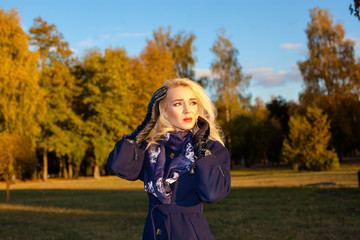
184, 127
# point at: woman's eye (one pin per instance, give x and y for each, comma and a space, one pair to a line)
193, 103
177, 104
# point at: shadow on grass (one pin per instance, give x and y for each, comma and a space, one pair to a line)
247, 213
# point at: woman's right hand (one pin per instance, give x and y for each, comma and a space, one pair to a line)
153, 112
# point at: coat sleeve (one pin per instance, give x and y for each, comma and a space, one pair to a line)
126, 160
212, 173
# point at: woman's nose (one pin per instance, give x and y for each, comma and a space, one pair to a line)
186, 108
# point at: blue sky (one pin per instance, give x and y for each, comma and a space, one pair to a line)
269, 34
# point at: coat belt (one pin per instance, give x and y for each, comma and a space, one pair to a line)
173, 207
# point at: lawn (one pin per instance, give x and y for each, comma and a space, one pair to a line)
262, 204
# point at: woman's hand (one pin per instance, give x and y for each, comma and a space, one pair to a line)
199, 141
200, 138
153, 112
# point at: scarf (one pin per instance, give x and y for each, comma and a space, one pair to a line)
156, 180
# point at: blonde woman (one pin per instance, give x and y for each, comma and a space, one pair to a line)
183, 164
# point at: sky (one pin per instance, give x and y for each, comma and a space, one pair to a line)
268, 34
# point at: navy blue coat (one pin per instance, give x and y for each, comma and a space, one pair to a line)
183, 218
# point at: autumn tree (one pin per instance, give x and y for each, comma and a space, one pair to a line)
229, 81
332, 79
181, 48
61, 124
21, 97
7, 159
149, 70
307, 147
17, 157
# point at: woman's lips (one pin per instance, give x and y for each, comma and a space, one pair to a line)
187, 120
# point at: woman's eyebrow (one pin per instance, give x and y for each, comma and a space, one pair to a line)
181, 99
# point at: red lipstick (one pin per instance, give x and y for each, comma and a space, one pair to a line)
188, 119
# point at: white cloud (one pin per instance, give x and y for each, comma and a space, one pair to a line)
131, 35
268, 77
105, 36
74, 50
107, 39
202, 73
355, 39
25, 28
86, 43
290, 45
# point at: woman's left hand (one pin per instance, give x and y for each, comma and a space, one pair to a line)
200, 138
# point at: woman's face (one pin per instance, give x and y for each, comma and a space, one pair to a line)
181, 108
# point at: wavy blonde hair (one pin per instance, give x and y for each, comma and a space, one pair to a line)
206, 110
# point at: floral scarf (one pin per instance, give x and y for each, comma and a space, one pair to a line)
156, 180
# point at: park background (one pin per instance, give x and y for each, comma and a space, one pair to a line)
62, 110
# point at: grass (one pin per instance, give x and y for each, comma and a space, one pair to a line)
262, 204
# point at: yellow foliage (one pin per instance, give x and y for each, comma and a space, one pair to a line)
20, 95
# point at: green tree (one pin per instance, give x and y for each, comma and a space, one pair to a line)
58, 83
307, 147
106, 98
332, 79
279, 110
253, 136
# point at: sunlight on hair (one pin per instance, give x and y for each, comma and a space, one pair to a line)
207, 110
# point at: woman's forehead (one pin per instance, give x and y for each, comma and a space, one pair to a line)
180, 92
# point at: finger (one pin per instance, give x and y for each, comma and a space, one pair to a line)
160, 92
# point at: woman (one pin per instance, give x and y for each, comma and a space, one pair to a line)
183, 164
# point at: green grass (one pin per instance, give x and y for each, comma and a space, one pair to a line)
111, 208
287, 213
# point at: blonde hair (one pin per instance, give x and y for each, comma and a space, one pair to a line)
206, 110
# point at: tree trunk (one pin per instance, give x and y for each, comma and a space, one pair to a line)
71, 171
64, 169
8, 191
45, 165
60, 168
96, 171
13, 178
76, 171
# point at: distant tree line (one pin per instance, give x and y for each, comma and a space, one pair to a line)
61, 116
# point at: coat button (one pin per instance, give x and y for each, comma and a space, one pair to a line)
158, 232
172, 155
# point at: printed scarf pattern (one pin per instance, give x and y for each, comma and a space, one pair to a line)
156, 180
